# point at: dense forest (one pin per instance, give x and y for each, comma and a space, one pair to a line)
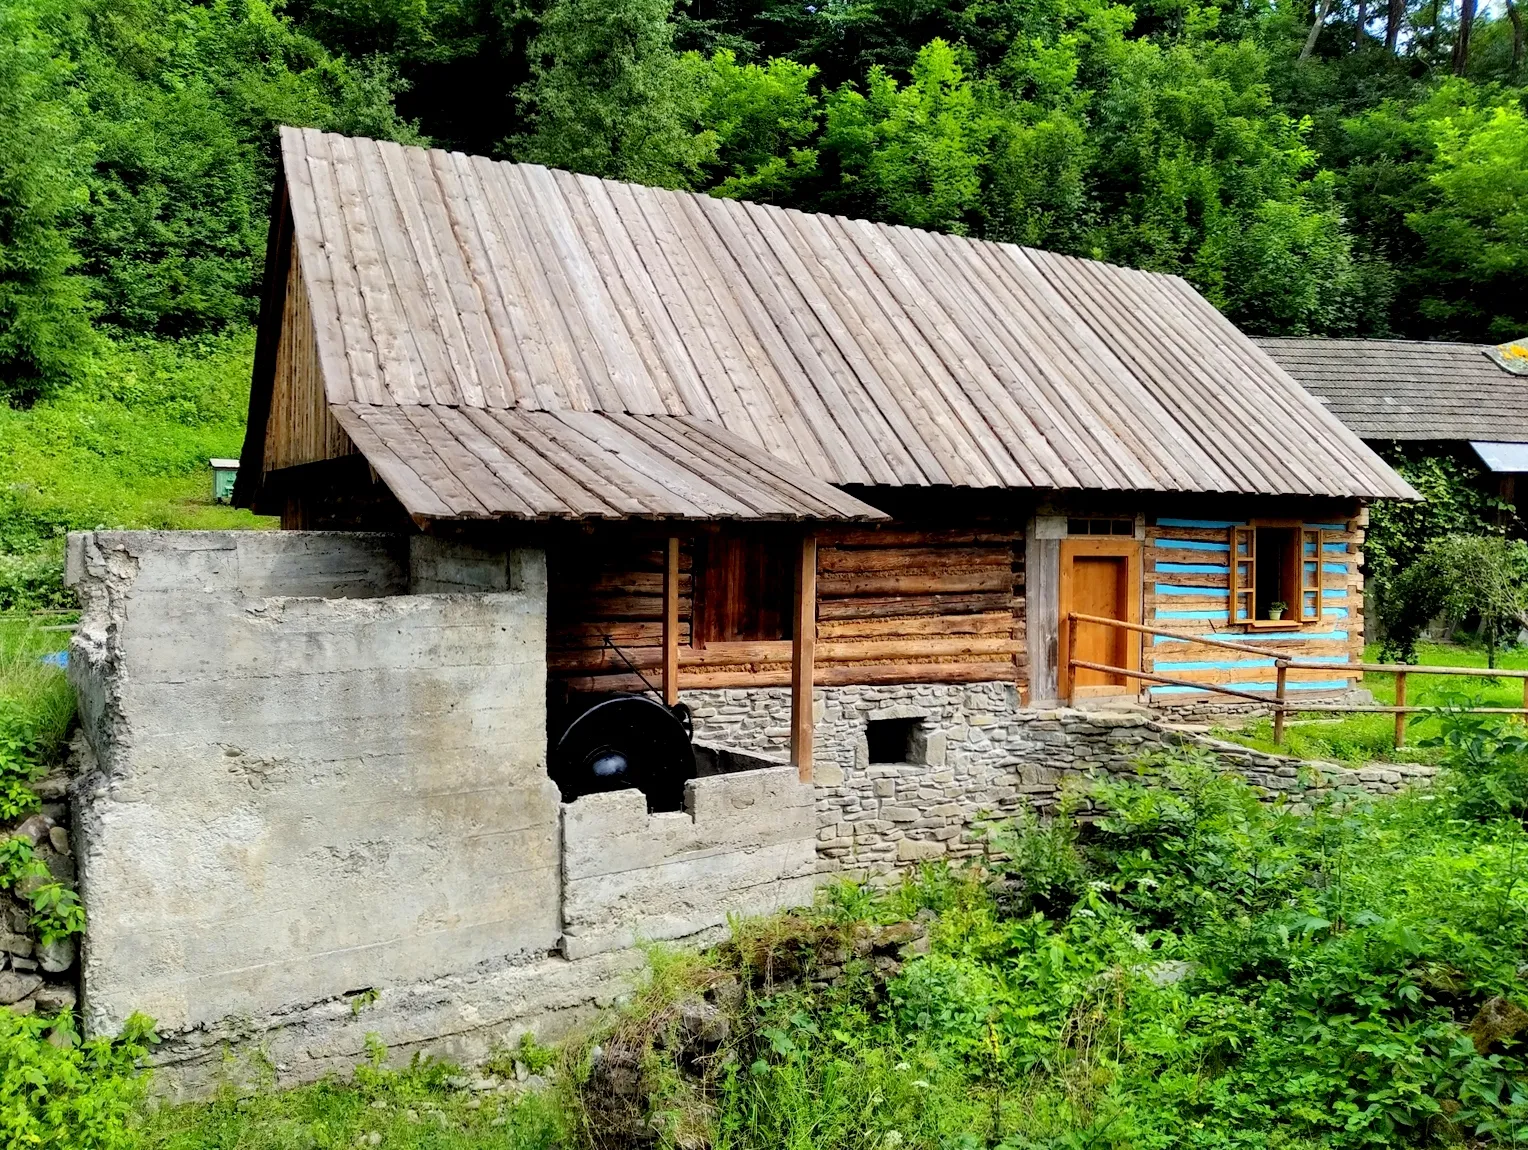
1355, 168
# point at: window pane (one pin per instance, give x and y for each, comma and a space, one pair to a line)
1124, 526
1076, 526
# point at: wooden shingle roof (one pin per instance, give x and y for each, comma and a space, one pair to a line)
1410, 389
855, 353
466, 462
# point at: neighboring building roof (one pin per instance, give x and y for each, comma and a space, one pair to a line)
1502, 457
1512, 356
859, 353
1410, 389
581, 465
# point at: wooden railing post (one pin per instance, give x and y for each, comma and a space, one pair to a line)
1282, 675
1400, 701
1071, 659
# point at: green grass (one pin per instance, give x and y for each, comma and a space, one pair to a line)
1370, 738
409, 1109
128, 445
38, 691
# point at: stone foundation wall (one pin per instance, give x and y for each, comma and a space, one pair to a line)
975, 753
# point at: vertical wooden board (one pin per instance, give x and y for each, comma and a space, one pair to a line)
671, 620
1042, 628
803, 655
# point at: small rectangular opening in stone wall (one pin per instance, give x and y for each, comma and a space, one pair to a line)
895, 740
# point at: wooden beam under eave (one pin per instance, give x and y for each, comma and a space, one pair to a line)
671, 621
803, 655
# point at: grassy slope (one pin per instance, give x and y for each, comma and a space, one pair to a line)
125, 447
1366, 738
128, 446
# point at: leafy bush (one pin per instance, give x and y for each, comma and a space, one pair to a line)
1200, 968
20, 761
1460, 576
67, 1095
1486, 761
34, 582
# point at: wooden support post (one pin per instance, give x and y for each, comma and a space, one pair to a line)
803, 653
1069, 672
1282, 674
1525, 694
671, 621
1400, 701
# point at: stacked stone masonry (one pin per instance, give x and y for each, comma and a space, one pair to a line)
974, 753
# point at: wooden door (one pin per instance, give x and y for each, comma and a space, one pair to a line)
1100, 577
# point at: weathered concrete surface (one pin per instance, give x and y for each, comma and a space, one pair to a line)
459, 1017
296, 797
448, 566
744, 844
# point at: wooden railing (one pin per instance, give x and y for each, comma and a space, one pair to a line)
1282, 663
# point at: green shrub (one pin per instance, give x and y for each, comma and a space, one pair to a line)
67, 1095
34, 582
1197, 968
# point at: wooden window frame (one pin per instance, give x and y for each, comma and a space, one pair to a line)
1242, 576
1112, 546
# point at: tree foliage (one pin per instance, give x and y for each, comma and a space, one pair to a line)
609, 96
44, 305
1359, 187
1480, 577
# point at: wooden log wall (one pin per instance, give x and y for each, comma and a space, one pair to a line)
300, 428
895, 604
1188, 589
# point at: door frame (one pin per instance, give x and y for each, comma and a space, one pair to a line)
1105, 546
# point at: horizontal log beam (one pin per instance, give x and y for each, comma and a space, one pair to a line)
989, 623
914, 536
953, 583
842, 675
834, 560
901, 606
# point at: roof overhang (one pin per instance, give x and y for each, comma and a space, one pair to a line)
447, 462
1502, 457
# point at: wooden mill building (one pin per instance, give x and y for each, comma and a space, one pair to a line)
752, 438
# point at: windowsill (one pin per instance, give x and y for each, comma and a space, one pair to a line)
1273, 624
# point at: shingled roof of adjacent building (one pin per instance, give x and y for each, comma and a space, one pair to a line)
1410, 389
850, 352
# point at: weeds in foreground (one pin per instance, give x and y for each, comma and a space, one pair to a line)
420, 1106
1196, 968
36, 701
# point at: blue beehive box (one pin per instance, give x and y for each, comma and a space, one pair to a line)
224, 472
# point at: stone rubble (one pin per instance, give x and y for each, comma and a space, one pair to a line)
37, 976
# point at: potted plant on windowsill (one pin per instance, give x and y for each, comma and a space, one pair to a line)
1276, 609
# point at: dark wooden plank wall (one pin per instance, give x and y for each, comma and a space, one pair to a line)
1187, 577
897, 604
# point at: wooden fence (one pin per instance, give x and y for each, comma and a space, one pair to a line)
1282, 663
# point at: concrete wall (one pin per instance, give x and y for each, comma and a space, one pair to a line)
305, 782
744, 844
